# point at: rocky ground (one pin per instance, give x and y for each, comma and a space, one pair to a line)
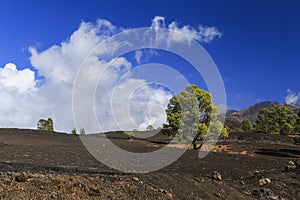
42, 165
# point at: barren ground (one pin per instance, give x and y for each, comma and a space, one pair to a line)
42, 165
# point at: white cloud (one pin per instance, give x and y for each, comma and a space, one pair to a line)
186, 33
138, 55
207, 34
23, 103
11, 77
291, 98
158, 22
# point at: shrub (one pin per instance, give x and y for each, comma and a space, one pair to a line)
74, 132
128, 134
297, 140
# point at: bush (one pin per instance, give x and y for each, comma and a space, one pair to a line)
74, 132
128, 134
297, 140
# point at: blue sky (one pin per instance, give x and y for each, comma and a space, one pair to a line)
257, 55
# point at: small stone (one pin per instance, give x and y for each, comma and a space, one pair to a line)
170, 195
217, 176
273, 197
217, 195
163, 191
268, 180
262, 181
248, 193
21, 177
136, 179
291, 165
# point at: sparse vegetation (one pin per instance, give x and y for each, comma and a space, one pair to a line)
46, 125
128, 134
280, 120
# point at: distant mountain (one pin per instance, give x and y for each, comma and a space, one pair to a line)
234, 118
229, 112
252, 111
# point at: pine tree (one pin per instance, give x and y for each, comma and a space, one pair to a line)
246, 125
192, 114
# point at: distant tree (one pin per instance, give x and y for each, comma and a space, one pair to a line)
279, 120
74, 132
46, 125
149, 128
192, 113
297, 125
246, 125
128, 134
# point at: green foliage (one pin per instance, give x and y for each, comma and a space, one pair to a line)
297, 125
192, 114
46, 125
279, 120
297, 140
128, 134
149, 128
246, 125
74, 132
224, 133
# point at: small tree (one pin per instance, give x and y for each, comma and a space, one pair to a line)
246, 125
149, 128
74, 132
46, 125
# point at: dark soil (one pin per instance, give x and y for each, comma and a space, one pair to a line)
43, 165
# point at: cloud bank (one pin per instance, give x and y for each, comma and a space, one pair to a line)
25, 99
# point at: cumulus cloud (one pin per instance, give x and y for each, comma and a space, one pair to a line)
291, 98
21, 80
23, 102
